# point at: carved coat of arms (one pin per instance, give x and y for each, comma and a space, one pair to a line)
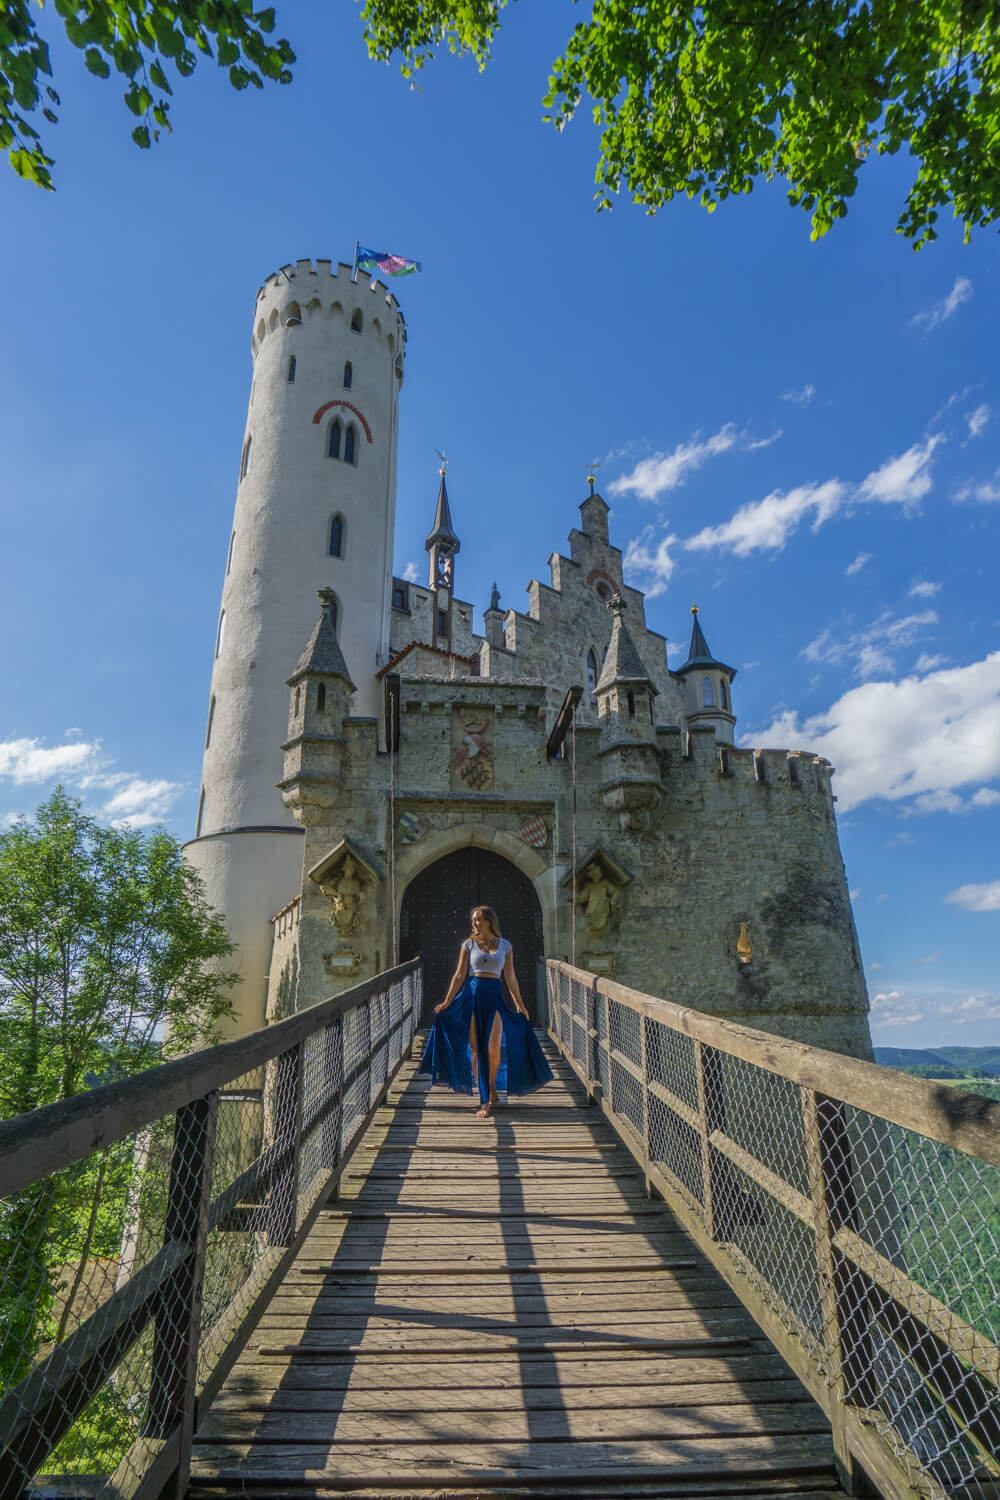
472, 750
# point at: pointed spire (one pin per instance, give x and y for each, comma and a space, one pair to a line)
323, 653
623, 662
494, 597
699, 654
443, 533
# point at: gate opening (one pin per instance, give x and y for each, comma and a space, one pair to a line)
434, 918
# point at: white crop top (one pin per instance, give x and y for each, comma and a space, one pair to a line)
483, 962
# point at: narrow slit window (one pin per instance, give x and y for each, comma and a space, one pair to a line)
356, 320
245, 460
348, 375
321, 696
723, 694
631, 704
337, 537
707, 693
211, 721
201, 814
290, 377
333, 447
220, 638
229, 559
298, 702
442, 622
349, 446
592, 671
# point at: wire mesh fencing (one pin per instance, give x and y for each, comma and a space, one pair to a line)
855, 1210
141, 1225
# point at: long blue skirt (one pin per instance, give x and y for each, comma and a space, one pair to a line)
448, 1056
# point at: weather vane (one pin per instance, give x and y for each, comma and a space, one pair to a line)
444, 462
591, 474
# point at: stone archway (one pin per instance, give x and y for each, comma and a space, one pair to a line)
434, 917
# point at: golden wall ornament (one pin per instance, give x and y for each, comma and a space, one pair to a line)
744, 951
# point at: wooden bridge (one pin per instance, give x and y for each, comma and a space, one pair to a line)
689, 1267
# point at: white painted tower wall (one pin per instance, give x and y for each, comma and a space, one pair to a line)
248, 847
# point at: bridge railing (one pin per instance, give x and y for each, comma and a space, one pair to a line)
144, 1225
855, 1211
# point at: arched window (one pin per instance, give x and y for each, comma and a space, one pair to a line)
337, 537
707, 693
333, 447
631, 704
221, 635
291, 370
321, 696
229, 559
245, 460
349, 445
592, 671
723, 694
211, 720
356, 320
201, 814
348, 375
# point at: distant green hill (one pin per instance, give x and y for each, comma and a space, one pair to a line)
948, 1059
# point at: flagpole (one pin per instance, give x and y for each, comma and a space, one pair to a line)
354, 273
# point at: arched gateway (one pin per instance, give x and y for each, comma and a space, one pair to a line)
435, 917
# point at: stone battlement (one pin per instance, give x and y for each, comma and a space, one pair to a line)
299, 292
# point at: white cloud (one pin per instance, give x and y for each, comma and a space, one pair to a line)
974, 1008
930, 958
987, 492
768, 523
977, 420
858, 563
801, 398
984, 897
932, 316
891, 1008
654, 476
927, 661
903, 480
25, 760
987, 796
649, 562
870, 648
873, 967
410, 572
924, 589
854, 893
900, 740
943, 799
138, 803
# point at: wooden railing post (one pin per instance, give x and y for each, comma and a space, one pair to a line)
593, 1041
818, 1158
284, 1194
177, 1315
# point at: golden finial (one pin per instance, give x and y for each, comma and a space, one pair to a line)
591, 476
744, 952
444, 462
694, 609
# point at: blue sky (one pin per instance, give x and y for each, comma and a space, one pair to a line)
802, 438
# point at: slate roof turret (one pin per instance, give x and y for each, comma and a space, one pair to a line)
443, 534
699, 654
323, 654
623, 662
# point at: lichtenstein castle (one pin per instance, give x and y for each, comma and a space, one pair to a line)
374, 767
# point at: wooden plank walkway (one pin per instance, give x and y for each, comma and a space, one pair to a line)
496, 1308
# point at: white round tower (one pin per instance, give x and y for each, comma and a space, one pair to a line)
315, 507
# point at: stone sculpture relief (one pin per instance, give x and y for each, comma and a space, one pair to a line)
600, 900
345, 895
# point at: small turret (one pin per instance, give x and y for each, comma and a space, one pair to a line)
493, 619
594, 514
624, 695
707, 686
442, 543
321, 689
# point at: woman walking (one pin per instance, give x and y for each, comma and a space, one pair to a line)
474, 1019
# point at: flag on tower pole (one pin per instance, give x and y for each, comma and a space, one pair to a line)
384, 261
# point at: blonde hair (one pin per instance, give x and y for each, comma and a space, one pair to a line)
486, 914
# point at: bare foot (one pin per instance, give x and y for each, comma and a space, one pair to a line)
485, 1110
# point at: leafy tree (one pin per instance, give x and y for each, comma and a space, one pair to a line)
141, 40
105, 940
705, 98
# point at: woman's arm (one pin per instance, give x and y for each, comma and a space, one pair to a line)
457, 980
512, 984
